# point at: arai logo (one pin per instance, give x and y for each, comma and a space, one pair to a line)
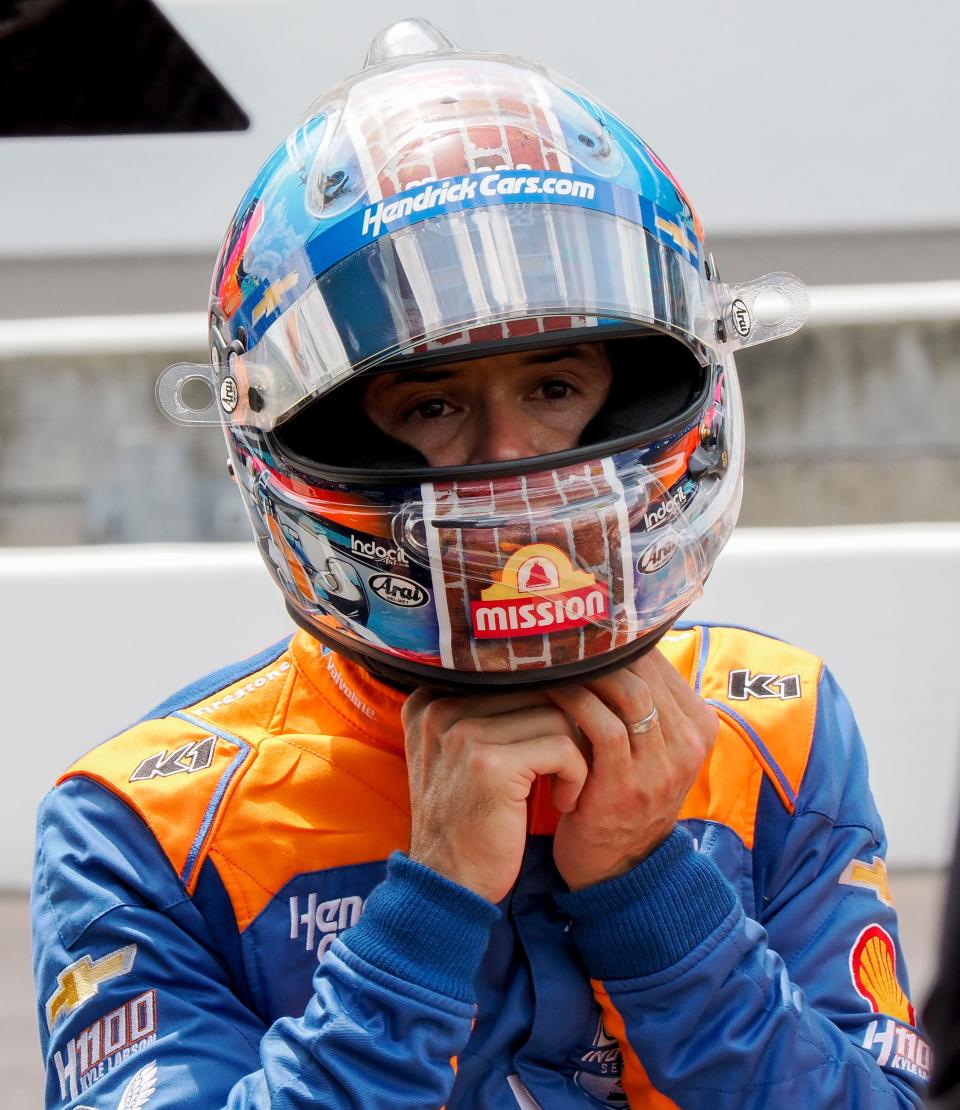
229, 394
741, 317
396, 590
657, 555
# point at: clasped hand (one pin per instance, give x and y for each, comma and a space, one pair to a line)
473, 762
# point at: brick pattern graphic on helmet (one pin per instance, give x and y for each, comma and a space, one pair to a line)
514, 142
527, 135
578, 510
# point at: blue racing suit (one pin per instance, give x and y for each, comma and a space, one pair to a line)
224, 916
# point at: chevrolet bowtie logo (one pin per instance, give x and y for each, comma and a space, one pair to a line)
273, 296
677, 234
870, 876
80, 981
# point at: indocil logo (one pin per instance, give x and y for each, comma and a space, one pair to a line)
457, 190
370, 549
666, 510
539, 592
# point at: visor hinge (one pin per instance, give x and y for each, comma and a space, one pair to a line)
710, 457
707, 461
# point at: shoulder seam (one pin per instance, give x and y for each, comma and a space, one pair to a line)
246, 756
196, 854
835, 824
768, 764
786, 783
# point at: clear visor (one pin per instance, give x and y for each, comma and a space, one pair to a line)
543, 569
514, 263
636, 528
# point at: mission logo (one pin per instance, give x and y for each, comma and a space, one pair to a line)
539, 592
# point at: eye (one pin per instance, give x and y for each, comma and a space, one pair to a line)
555, 389
430, 409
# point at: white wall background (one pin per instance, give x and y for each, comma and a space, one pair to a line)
776, 115
95, 637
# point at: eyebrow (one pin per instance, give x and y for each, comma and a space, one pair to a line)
554, 355
426, 377
419, 376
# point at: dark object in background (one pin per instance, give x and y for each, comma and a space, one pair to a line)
104, 67
941, 1015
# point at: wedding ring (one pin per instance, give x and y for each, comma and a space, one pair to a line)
646, 724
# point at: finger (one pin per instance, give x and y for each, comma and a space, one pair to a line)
512, 727
446, 708
655, 667
606, 731
634, 698
689, 700
565, 792
671, 694
512, 768
555, 756
629, 696
690, 723
489, 705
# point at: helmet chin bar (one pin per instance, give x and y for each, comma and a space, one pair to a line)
463, 683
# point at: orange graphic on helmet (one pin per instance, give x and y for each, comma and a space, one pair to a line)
294, 564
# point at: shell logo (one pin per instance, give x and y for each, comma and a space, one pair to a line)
539, 591
873, 968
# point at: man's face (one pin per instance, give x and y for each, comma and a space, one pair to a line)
493, 409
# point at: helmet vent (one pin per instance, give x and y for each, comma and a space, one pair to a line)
404, 38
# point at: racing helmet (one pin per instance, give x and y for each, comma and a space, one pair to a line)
438, 206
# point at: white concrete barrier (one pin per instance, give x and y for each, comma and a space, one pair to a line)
95, 637
64, 336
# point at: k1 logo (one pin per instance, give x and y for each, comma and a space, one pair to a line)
742, 685
195, 756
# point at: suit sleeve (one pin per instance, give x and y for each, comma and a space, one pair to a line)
805, 1001
141, 1002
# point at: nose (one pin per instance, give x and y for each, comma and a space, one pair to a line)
500, 433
